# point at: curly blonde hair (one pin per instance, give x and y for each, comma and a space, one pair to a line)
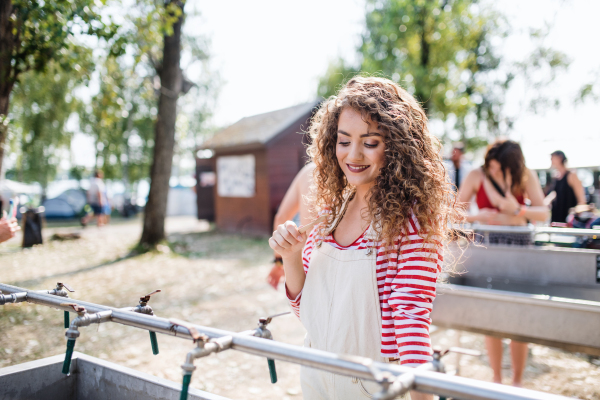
413, 178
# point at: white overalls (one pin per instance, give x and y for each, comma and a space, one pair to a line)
341, 313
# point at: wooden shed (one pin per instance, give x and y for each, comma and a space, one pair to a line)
255, 161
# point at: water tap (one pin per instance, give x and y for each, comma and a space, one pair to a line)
59, 291
264, 333
437, 365
144, 308
262, 330
204, 347
83, 319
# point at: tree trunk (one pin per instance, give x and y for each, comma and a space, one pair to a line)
423, 97
164, 141
6, 81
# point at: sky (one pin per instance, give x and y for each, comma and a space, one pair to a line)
270, 54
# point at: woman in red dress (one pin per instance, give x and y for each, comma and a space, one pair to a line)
501, 188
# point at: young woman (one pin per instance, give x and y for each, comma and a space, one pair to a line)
500, 188
363, 282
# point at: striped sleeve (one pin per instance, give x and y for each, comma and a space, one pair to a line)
411, 281
306, 254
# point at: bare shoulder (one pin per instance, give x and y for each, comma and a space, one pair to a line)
305, 177
572, 177
307, 171
476, 174
532, 177
474, 178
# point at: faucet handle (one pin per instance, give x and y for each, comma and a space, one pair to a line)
78, 309
266, 321
191, 329
60, 285
438, 353
146, 298
466, 352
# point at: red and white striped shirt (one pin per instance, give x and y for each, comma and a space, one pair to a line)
406, 276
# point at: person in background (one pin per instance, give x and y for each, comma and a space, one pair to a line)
567, 190
458, 168
8, 228
95, 199
501, 187
106, 208
293, 202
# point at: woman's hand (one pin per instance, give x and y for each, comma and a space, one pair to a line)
509, 204
486, 216
287, 241
8, 228
276, 275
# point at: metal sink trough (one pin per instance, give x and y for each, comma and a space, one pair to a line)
544, 295
90, 379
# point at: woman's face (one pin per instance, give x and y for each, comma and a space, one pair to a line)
556, 162
494, 168
359, 149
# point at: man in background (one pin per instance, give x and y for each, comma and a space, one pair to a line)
95, 199
458, 168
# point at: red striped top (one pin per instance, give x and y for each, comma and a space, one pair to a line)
406, 277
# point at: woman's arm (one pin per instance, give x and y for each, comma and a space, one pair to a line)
288, 242
537, 211
287, 209
412, 286
412, 290
515, 213
575, 183
468, 189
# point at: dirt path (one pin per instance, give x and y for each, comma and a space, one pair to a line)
210, 279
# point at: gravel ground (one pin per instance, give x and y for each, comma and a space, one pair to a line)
210, 279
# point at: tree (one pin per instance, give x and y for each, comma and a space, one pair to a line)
33, 33
42, 103
171, 86
444, 52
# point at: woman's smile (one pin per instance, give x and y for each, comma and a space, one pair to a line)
356, 168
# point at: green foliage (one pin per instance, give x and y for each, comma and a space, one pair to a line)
121, 118
43, 31
590, 90
78, 172
444, 52
49, 61
42, 103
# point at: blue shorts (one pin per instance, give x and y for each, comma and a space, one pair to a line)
96, 208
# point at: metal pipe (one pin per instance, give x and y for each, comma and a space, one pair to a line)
531, 229
12, 298
425, 381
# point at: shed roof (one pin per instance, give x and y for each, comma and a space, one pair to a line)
258, 129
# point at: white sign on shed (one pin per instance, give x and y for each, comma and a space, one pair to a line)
236, 176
